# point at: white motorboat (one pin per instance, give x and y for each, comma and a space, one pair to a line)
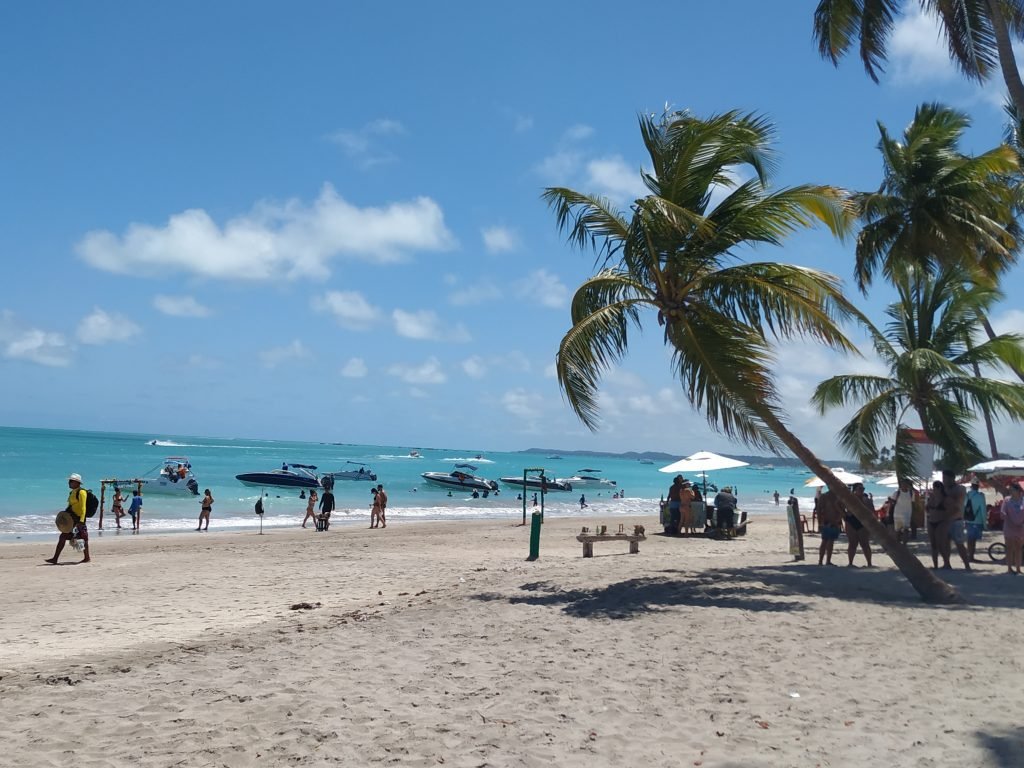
172, 478
359, 471
587, 478
461, 480
536, 483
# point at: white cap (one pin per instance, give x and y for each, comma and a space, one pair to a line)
75, 476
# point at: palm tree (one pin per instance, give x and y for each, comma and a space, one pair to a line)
928, 358
676, 254
937, 207
978, 32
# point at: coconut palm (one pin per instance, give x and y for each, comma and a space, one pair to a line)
979, 34
677, 255
936, 206
926, 351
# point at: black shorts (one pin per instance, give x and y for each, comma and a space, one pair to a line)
853, 522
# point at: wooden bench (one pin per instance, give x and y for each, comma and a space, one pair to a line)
588, 540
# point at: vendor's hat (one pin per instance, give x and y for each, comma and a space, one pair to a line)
75, 476
65, 523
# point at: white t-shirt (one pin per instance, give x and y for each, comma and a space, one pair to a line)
902, 508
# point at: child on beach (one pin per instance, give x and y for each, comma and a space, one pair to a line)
135, 509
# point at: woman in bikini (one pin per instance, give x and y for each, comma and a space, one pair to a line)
205, 510
938, 525
310, 507
117, 506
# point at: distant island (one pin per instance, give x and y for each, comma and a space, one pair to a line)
778, 461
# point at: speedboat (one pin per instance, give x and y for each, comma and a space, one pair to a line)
414, 454
587, 478
535, 483
362, 473
288, 476
461, 479
172, 478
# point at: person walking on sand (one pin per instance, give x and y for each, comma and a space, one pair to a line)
856, 533
1013, 528
205, 508
76, 508
938, 528
310, 509
375, 508
974, 517
955, 503
135, 509
382, 497
829, 516
326, 507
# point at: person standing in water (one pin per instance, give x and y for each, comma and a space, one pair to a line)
206, 507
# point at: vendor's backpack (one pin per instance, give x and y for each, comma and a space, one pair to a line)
91, 503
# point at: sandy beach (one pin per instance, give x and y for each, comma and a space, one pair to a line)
439, 644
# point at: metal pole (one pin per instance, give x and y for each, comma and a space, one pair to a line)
535, 536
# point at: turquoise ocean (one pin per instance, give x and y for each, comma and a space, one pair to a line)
35, 463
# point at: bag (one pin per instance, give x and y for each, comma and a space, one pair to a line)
259, 506
969, 513
91, 503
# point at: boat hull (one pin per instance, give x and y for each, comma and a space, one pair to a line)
267, 480
534, 484
469, 483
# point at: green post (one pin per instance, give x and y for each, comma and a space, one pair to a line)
535, 536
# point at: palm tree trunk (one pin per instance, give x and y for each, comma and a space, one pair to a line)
931, 588
1007, 61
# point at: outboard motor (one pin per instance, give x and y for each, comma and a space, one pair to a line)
193, 486
327, 482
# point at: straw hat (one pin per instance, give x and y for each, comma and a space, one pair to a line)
65, 522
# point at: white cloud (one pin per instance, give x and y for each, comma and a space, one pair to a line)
350, 309
276, 356
469, 294
474, 367
32, 344
522, 404
101, 327
428, 372
364, 146
543, 288
291, 239
560, 167
577, 132
499, 239
918, 51
355, 368
614, 178
180, 306
426, 325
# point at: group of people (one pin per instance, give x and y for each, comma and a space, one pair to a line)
681, 496
954, 518
321, 513
134, 508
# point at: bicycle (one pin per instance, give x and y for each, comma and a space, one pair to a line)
997, 551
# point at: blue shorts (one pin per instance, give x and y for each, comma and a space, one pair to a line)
830, 532
957, 532
975, 531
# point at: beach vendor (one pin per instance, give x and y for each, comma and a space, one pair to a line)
77, 531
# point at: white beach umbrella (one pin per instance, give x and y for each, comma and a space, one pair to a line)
892, 482
703, 462
847, 478
1004, 467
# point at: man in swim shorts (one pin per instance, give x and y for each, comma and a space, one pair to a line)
829, 515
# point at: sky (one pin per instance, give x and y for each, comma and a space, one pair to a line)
323, 221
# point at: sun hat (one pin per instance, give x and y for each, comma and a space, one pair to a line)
75, 476
65, 523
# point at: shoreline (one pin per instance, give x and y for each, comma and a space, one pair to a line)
438, 643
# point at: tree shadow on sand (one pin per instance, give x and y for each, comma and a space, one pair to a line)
626, 599
1006, 747
761, 588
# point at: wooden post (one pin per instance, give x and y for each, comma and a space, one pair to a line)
103, 494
